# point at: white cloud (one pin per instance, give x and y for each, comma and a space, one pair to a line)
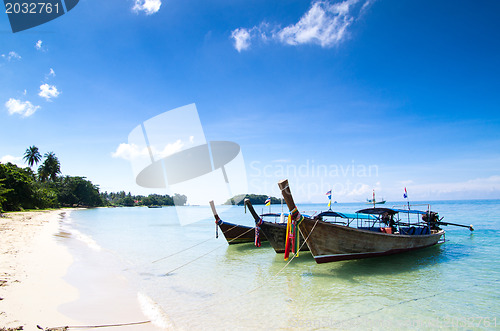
324, 24
132, 151
24, 109
51, 73
241, 38
38, 45
11, 55
12, 159
147, 6
48, 91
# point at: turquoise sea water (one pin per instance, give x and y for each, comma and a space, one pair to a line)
216, 286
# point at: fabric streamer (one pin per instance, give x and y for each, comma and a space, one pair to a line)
257, 233
287, 242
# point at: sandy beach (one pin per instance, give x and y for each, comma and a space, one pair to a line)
34, 281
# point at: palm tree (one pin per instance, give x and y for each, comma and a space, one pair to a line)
32, 156
50, 168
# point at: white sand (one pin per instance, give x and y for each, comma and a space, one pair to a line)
33, 262
31, 269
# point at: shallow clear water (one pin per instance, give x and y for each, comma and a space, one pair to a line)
214, 285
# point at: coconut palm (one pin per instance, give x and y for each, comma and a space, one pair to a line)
32, 155
50, 168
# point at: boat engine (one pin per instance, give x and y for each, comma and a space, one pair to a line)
432, 218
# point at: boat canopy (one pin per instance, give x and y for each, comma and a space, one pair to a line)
378, 211
411, 211
391, 211
346, 215
273, 215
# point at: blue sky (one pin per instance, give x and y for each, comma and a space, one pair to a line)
383, 94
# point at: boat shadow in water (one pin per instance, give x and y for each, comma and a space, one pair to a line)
247, 247
397, 263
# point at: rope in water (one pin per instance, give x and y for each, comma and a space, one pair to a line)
181, 251
284, 267
227, 299
188, 248
185, 249
216, 248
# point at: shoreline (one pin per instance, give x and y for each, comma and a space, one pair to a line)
48, 278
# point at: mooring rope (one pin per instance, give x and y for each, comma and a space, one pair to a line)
226, 299
181, 251
388, 306
284, 267
198, 244
185, 249
203, 255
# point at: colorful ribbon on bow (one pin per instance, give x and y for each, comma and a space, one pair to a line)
292, 233
257, 232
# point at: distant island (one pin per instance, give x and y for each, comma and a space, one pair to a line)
255, 199
45, 187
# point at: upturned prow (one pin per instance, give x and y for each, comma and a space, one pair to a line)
249, 205
287, 195
214, 211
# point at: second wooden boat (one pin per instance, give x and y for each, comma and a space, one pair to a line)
235, 233
275, 232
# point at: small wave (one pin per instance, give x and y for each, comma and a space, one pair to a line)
68, 229
154, 312
67, 225
85, 239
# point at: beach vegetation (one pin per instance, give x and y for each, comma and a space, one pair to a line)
20, 183
129, 200
21, 189
32, 156
3, 192
76, 190
50, 168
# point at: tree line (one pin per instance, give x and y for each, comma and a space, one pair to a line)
25, 188
129, 200
255, 199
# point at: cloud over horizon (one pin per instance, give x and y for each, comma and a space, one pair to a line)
324, 24
132, 151
17, 160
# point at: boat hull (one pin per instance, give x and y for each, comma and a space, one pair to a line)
332, 242
238, 234
276, 235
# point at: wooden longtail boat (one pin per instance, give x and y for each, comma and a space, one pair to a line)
234, 233
275, 232
330, 242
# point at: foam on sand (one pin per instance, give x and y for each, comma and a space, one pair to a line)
154, 312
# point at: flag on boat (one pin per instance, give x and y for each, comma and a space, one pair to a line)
268, 201
405, 195
329, 193
329, 203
